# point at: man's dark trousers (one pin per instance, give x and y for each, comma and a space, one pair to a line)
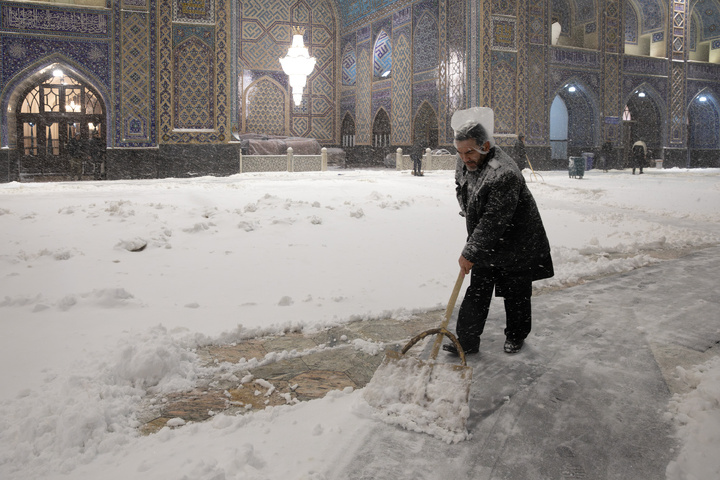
516, 291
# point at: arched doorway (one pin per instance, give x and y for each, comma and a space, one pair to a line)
703, 130
425, 127
574, 122
642, 120
347, 131
61, 131
381, 136
381, 129
558, 129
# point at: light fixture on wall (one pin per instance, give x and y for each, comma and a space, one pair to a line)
297, 64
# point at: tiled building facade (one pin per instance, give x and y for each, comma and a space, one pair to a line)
175, 81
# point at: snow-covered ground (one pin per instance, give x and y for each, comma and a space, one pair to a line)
107, 287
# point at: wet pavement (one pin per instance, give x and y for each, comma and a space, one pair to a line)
304, 367
297, 367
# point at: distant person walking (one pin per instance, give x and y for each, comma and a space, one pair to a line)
639, 154
416, 154
606, 156
520, 153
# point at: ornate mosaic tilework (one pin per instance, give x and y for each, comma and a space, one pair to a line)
708, 13
349, 66
364, 34
169, 83
353, 10
265, 35
401, 119
300, 126
135, 4
40, 19
444, 131
692, 41
504, 66
322, 127
300, 13
89, 56
194, 11
715, 45
631, 25
504, 33
611, 76
425, 92
266, 107
363, 134
678, 30
504, 7
562, 12
677, 103
701, 115
134, 84
402, 17
193, 82
574, 57
612, 26
485, 56
538, 107
522, 69
653, 15
382, 55
135, 76
537, 29
584, 10
206, 34
425, 43
457, 64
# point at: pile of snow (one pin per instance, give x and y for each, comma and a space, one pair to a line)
422, 396
698, 415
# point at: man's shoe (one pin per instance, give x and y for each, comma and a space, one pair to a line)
513, 346
450, 348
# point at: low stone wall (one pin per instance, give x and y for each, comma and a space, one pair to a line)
283, 163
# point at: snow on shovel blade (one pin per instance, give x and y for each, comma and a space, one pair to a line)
422, 396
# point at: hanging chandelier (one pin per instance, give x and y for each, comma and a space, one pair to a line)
297, 64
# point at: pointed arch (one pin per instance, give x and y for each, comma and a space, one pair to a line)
425, 126
194, 87
704, 36
704, 121
14, 89
347, 131
266, 107
425, 44
382, 56
646, 27
381, 129
647, 110
583, 115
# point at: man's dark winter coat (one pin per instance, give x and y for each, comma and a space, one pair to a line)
503, 222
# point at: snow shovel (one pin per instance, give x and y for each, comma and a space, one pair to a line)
422, 395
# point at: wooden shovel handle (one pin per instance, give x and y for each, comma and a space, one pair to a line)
448, 314
440, 332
